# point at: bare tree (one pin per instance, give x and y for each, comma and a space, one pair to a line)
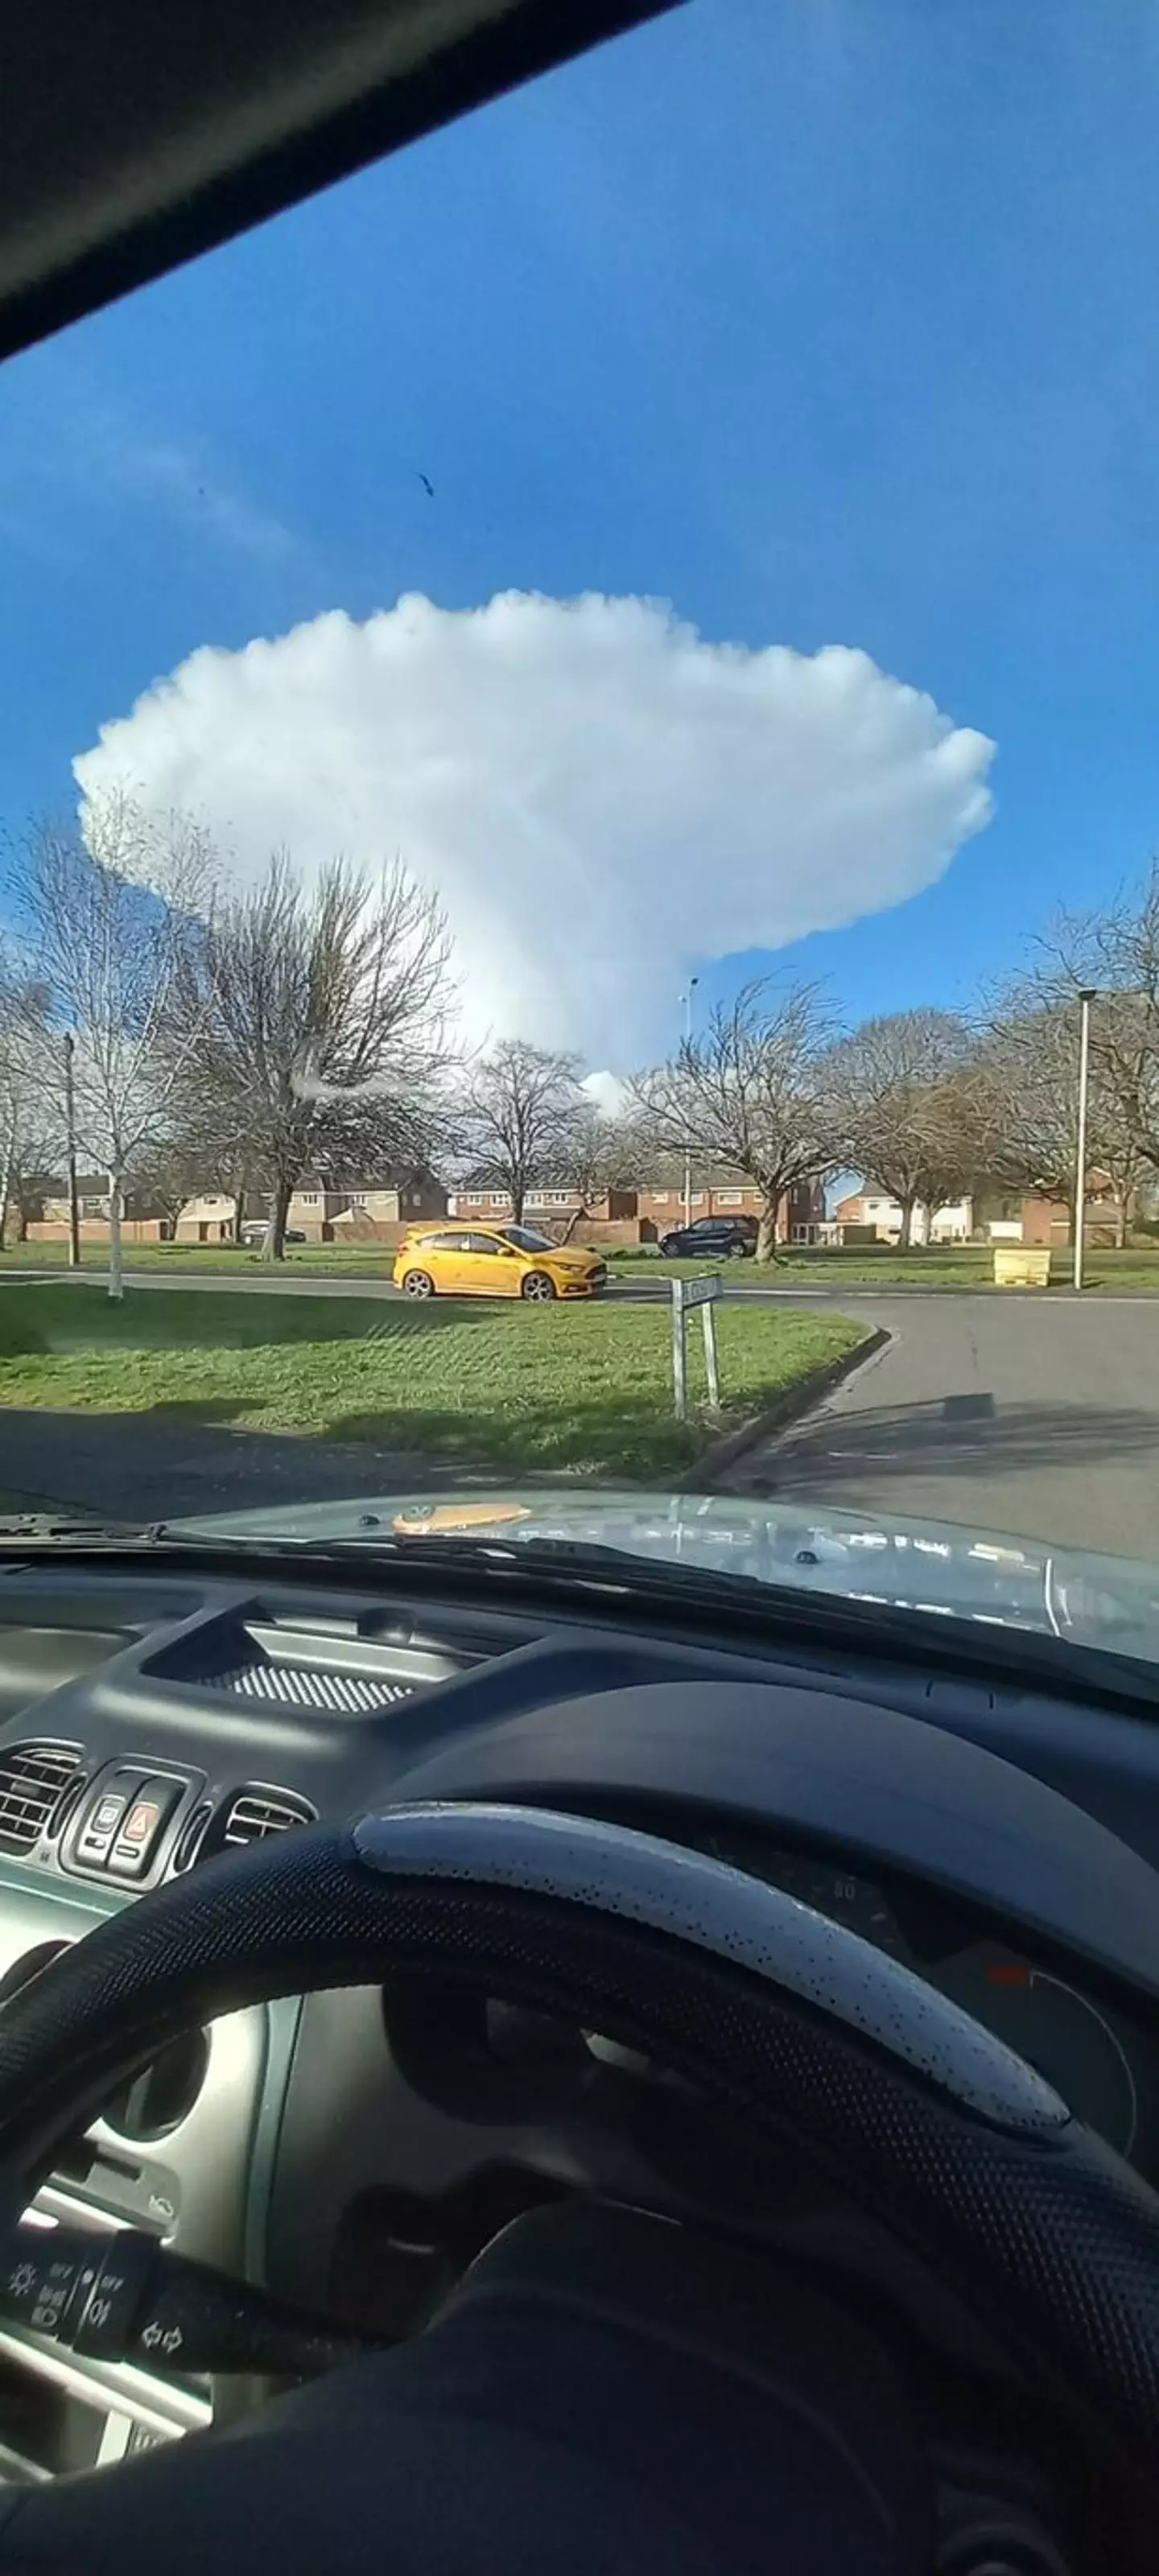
30, 1153
116, 925
522, 1119
1115, 955
901, 1101
749, 1093
325, 1037
171, 1170
1028, 1067
599, 1154
30, 1126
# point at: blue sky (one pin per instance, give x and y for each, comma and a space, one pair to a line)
829, 323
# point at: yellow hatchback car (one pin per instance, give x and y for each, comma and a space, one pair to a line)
495, 1261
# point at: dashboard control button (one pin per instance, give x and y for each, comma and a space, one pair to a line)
103, 1820
142, 1827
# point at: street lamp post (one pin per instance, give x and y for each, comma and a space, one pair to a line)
686, 998
70, 1151
1086, 997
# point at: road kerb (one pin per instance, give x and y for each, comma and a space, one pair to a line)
704, 1476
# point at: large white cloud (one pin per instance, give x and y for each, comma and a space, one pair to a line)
599, 795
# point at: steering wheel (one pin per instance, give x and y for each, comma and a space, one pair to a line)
954, 2144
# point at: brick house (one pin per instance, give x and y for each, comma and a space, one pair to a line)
209, 1218
1047, 1222
142, 1221
642, 1214
376, 1211
872, 1215
380, 1212
800, 1215
990, 1216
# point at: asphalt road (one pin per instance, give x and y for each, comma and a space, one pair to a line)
320, 1283
1022, 1413
1034, 1415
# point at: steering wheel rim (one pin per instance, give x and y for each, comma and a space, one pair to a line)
956, 2146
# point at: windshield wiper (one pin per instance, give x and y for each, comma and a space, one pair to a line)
64, 1526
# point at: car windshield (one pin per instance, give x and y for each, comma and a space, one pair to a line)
525, 1237
590, 689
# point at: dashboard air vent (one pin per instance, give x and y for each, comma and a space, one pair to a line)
190, 1839
34, 1781
254, 1813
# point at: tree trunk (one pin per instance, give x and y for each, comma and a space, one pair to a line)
905, 1236
518, 1195
237, 1220
274, 1247
6, 1168
116, 1264
1120, 1225
21, 1223
767, 1229
572, 1223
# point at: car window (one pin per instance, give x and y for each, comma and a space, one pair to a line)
628, 706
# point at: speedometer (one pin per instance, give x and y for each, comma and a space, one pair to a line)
1056, 2029
840, 1894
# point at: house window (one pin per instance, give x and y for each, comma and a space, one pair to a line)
358, 1199
308, 1198
730, 1198
661, 1197
697, 1199
549, 1198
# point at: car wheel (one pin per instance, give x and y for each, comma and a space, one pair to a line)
538, 1288
418, 1283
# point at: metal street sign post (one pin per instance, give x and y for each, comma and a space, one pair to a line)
687, 1294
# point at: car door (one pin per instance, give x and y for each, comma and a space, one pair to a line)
489, 1267
448, 1260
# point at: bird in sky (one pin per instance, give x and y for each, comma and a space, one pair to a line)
428, 487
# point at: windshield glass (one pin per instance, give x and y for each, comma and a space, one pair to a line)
590, 690
527, 1239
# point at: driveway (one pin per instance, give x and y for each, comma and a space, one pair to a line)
1027, 1414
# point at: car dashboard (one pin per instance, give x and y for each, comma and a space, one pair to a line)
355, 2149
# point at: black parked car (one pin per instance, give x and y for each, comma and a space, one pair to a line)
721, 1238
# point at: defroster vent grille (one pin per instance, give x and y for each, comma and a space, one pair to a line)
300, 1686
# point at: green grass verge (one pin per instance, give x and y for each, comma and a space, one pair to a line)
587, 1388
357, 1260
965, 1266
960, 1266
